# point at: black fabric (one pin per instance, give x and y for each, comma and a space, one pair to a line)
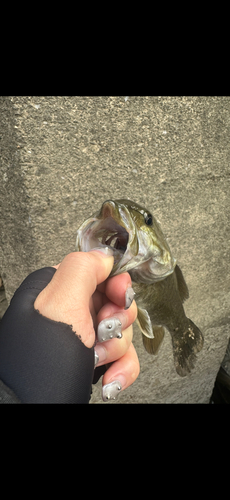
7, 396
42, 361
99, 372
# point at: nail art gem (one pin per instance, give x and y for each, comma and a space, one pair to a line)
108, 329
110, 391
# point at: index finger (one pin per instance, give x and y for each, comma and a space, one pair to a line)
115, 288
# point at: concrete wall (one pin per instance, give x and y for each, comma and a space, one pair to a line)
61, 157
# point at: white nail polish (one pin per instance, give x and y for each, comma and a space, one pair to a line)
110, 391
99, 354
96, 359
109, 328
129, 296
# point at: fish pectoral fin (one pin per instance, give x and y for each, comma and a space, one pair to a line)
144, 322
152, 345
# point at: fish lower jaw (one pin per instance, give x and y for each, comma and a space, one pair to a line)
145, 277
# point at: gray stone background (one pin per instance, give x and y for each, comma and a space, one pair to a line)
61, 157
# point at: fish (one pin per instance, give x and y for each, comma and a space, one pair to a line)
141, 249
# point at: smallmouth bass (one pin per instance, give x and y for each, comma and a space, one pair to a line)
140, 248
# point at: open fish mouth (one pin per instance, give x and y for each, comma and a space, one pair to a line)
113, 235
113, 229
106, 233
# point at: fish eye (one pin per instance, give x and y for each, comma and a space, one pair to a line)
148, 219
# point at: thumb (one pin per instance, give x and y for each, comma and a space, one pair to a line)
67, 297
95, 267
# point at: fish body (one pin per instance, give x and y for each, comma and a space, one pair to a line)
140, 248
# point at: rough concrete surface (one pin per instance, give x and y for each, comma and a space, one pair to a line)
61, 157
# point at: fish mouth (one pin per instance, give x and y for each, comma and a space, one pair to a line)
112, 227
112, 231
113, 235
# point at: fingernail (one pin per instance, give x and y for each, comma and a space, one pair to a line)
129, 296
107, 251
110, 391
99, 354
96, 358
108, 329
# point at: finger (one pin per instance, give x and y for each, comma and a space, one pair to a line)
121, 374
115, 288
111, 350
110, 309
99, 299
112, 320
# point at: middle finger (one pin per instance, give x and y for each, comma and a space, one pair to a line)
114, 349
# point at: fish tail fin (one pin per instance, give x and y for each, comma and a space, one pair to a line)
185, 347
196, 336
152, 345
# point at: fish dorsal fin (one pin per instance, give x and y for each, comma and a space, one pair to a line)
144, 322
182, 287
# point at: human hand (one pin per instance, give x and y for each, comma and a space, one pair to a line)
80, 295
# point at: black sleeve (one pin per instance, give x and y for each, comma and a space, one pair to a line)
41, 360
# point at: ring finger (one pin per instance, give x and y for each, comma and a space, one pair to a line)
113, 349
114, 335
